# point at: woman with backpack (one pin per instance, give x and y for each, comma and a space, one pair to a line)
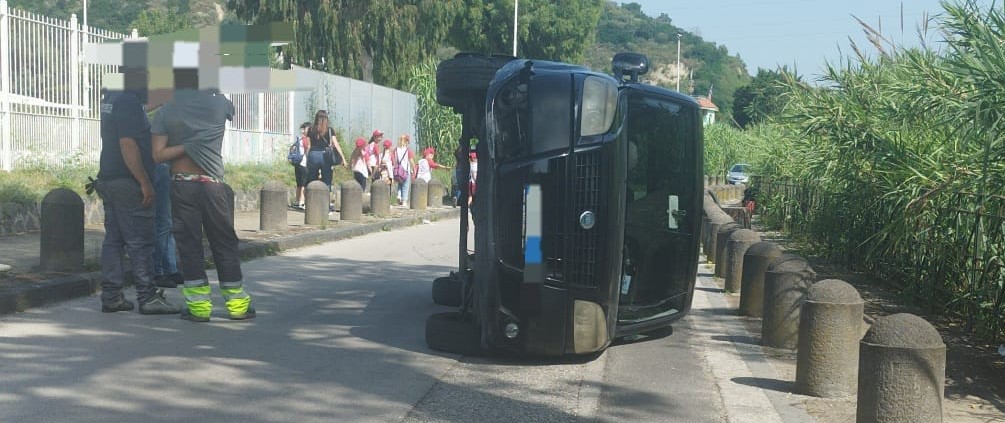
404, 168
298, 158
325, 151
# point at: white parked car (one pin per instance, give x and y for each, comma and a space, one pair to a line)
738, 174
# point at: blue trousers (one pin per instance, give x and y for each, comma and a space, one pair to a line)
165, 259
129, 228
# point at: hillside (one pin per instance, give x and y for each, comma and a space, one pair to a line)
704, 65
119, 15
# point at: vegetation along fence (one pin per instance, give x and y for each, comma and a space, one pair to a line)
947, 248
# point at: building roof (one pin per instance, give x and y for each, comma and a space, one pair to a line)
706, 104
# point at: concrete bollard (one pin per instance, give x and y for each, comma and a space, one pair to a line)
785, 285
736, 249
418, 198
755, 263
380, 198
717, 180
317, 199
901, 371
717, 222
830, 326
62, 226
352, 201
721, 238
272, 207
435, 193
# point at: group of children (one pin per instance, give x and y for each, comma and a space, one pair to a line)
379, 159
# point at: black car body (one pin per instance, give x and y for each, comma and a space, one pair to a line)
587, 210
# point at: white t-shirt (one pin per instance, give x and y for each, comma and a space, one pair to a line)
361, 167
401, 155
424, 173
474, 172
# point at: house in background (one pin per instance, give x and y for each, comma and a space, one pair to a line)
708, 109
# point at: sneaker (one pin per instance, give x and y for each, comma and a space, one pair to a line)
122, 305
250, 314
159, 305
187, 315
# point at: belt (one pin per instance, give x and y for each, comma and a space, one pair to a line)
194, 177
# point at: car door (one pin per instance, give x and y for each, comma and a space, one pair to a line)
663, 134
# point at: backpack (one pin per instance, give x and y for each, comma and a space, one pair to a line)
295, 155
400, 174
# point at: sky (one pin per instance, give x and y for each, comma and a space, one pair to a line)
798, 33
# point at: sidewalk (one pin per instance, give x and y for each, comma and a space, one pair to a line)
24, 287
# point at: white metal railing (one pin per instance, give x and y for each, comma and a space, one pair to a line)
49, 100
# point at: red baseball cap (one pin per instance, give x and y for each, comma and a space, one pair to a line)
428, 150
473, 155
377, 133
360, 142
387, 143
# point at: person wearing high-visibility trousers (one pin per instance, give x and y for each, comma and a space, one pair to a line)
188, 131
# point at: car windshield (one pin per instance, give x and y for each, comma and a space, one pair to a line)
742, 168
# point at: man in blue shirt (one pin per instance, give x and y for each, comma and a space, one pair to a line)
126, 165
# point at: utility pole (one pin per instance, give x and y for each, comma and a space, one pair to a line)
516, 14
678, 61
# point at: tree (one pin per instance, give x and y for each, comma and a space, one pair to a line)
153, 22
372, 40
548, 30
763, 97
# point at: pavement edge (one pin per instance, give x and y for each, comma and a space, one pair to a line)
70, 286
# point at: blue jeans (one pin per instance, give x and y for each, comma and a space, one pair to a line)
129, 227
165, 261
315, 164
403, 190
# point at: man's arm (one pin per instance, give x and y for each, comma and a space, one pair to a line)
163, 153
131, 156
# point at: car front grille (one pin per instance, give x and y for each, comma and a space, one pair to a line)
582, 266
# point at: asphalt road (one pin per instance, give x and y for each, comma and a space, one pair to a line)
339, 337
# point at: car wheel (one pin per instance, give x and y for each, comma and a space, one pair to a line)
465, 77
447, 291
447, 332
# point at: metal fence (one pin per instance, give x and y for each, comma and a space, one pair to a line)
49, 100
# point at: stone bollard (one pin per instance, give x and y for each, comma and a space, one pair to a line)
721, 238
830, 326
62, 238
380, 198
717, 222
317, 199
435, 193
736, 249
272, 207
352, 201
717, 180
418, 198
901, 371
755, 263
785, 286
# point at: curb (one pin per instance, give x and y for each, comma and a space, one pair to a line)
68, 287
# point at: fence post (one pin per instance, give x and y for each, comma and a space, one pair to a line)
261, 127
6, 134
75, 81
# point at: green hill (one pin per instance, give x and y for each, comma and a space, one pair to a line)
704, 65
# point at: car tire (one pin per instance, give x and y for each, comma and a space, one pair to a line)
447, 332
466, 78
447, 291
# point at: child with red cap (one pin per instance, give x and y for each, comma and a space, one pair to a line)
427, 164
384, 164
373, 152
360, 163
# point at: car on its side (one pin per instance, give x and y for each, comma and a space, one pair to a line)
738, 174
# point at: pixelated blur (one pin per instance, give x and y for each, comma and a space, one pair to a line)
228, 58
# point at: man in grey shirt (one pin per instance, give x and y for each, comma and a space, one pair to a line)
188, 132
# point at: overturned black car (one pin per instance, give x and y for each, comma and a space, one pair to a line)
587, 210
